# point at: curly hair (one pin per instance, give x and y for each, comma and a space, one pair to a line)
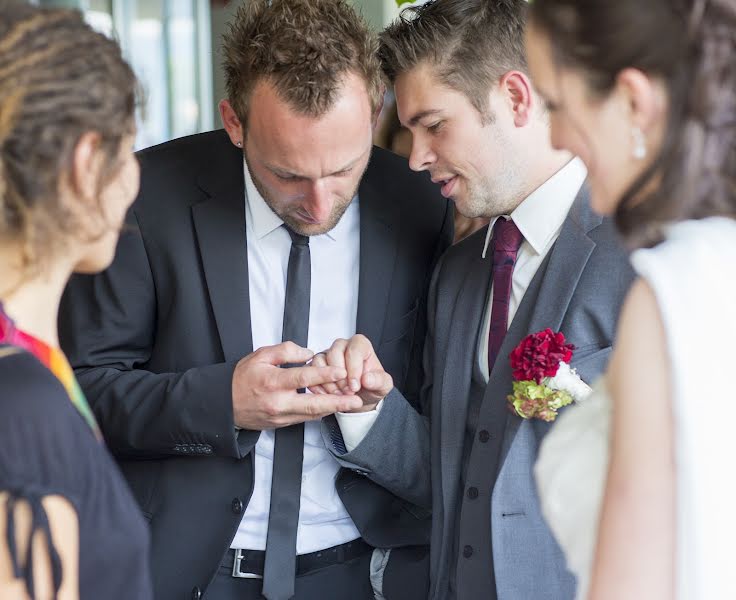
59, 79
470, 44
691, 46
304, 48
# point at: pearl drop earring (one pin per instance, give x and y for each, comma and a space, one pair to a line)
640, 147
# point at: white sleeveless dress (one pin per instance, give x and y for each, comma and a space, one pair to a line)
693, 275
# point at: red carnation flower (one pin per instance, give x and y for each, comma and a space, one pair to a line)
539, 355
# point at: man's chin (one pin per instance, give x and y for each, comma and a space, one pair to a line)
309, 229
471, 206
471, 212
461, 205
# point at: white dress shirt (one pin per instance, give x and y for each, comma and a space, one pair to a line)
323, 520
539, 218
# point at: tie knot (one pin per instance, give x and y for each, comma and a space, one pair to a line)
297, 238
506, 236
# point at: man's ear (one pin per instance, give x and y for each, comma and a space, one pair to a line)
517, 90
86, 166
231, 123
379, 107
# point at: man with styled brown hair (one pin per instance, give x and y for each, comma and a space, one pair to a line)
545, 261
250, 245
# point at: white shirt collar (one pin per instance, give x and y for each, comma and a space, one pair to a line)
540, 215
264, 220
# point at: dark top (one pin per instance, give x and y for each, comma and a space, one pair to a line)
46, 448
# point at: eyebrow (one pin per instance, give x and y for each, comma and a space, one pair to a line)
419, 116
282, 171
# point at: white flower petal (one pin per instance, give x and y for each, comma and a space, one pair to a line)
567, 380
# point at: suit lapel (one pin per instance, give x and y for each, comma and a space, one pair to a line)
379, 231
461, 351
568, 258
219, 223
556, 284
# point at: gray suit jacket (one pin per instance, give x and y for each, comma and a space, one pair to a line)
486, 521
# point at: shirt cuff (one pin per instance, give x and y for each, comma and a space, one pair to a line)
355, 426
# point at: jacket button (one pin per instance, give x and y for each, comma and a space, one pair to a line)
484, 436
196, 593
237, 506
468, 551
472, 493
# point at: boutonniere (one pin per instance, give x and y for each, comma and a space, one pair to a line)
543, 379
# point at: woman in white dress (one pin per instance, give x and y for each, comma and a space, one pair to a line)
638, 482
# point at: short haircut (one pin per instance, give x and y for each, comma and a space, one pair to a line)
304, 48
469, 43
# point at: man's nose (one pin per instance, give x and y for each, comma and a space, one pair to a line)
318, 201
421, 156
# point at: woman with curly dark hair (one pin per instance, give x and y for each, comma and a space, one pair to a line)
69, 527
637, 482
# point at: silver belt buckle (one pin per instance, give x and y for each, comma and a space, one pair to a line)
236, 567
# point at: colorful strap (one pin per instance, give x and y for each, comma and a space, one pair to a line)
54, 360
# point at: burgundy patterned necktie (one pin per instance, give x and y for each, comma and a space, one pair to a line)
505, 243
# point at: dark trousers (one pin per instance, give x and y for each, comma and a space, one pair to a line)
344, 581
407, 574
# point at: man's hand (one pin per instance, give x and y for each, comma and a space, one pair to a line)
365, 374
265, 395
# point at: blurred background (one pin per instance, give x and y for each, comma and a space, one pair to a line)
174, 47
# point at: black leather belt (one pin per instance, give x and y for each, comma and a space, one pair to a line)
249, 563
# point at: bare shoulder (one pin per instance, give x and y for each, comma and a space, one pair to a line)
639, 369
640, 334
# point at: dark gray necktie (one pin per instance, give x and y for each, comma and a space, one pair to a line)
279, 569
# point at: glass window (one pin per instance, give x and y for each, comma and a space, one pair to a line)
164, 41
147, 52
99, 15
183, 51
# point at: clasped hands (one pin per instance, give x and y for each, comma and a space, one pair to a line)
347, 377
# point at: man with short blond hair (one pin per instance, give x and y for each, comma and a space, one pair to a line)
283, 232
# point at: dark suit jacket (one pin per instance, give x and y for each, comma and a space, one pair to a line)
486, 521
154, 341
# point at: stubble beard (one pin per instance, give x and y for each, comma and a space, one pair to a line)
296, 224
486, 198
